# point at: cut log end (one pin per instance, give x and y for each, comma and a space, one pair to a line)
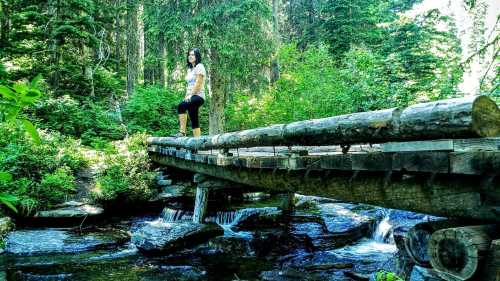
457, 253
486, 117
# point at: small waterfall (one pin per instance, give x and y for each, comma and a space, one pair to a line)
383, 230
170, 215
221, 217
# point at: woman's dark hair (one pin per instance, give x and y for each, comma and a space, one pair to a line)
197, 55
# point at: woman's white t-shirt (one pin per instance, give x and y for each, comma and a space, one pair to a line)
191, 79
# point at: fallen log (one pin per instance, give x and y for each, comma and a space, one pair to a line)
491, 270
469, 117
459, 253
417, 239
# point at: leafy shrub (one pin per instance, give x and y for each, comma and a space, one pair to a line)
42, 175
87, 120
153, 110
57, 185
127, 173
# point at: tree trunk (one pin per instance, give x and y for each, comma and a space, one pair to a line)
149, 53
469, 117
132, 46
53, 11
458, 253
4, 23
162, 56
275, 66
217, 104
140, 32
118, 36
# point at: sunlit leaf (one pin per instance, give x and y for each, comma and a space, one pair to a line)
30, 128
34, 82
20, 88
9, 200
7, 93
5, 176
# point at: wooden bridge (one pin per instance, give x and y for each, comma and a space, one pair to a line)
440, 158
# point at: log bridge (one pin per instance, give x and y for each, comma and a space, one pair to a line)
440, 158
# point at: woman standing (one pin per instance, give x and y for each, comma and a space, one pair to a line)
195, 94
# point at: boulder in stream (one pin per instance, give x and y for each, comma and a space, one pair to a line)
163, 237
56, 241
252, 218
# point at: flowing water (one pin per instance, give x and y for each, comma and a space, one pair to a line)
240, 254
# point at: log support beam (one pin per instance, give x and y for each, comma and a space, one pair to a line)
405, 191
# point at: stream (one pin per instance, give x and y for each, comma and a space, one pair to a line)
321, 240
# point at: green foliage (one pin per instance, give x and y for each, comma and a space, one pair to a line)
153, 110
17, 97
386, 276
57, 185
126, 174
42, 175
87, 120
314, 87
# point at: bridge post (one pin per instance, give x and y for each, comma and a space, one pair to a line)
287, 202
200, 205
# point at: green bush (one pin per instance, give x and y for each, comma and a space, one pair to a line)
57, 185
153, 110
42, 175
126, 174
87, 120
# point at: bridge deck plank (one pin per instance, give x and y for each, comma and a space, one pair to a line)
468, 162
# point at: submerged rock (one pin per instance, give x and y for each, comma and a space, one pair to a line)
163, 237
52, 241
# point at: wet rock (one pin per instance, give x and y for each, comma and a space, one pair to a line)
164, 182
349, 220
424, 274
52, 241
253, 218
230, 245
174, 273
304, 202
320, 238
6, 225
19, 275
328, 266
164, 237
365, 257
71, 210
277, 242
255, 196
174, 192
288, 275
